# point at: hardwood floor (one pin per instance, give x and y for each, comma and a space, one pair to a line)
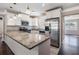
70, 45
4, 49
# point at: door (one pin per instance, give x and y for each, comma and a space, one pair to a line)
1, 28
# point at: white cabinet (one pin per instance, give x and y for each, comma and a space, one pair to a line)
19, 49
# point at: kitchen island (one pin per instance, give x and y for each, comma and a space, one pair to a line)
24, 43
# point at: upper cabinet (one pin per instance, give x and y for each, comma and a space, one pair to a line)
13, 19
53, 13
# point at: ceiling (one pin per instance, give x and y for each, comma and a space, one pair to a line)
35, 7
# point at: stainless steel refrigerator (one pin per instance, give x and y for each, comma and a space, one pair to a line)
54, 31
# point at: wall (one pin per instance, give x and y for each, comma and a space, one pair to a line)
53, 14
1, 26
2, 29
71, 11
72, 17
41, 21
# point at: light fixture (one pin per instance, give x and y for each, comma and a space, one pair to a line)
27, 10
28, 7
36, 13
19, 15
14, 3
31, 13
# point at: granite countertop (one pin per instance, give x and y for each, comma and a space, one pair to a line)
29, 40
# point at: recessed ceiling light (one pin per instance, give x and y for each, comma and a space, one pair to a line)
19, 15
43, 4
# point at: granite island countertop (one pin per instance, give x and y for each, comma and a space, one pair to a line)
29, 40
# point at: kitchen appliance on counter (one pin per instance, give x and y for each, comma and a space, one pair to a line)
42, 31
24, 23
25, 26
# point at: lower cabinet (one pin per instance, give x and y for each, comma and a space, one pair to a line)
19, 49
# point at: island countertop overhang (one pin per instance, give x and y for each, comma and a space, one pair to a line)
28, 40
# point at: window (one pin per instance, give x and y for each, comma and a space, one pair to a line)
70, 25
71, 22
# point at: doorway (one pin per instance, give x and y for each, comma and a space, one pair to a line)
70, 44
1, 28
